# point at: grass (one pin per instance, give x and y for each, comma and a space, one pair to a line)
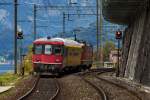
8, 79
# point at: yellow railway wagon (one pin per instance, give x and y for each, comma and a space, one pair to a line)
73, 56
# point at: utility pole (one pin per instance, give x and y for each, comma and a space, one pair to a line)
15, 36
97, 30
101, 32
34, 23
63, 24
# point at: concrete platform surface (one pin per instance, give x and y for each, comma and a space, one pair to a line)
5, 88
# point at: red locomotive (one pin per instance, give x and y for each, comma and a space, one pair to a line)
56, 55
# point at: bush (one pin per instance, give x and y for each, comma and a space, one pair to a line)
28, 61
8, 78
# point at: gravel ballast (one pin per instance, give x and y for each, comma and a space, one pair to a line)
139, 89
74, 88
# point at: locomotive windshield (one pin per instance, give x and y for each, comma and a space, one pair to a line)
48, 49
38, 49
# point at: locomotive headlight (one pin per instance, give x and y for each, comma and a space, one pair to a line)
57, 60
37, 60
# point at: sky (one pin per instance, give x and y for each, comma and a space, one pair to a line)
51, 18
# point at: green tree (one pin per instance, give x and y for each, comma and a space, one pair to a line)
107, 48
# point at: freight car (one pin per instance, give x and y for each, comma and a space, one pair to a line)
56, 55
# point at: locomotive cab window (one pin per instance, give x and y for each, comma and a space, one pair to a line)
38, 49
48, 49
57, 50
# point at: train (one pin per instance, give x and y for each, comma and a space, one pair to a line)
57, 55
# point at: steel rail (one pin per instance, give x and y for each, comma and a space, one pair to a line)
120, 86
100, 90
30, 91
57, 91
35, 85
100, 71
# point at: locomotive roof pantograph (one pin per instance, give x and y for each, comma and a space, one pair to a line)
66, 42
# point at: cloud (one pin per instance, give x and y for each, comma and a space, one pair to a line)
19, 28
54, 12
86, 2
4, 18
38, 2
73, 1
30, 18
3, 15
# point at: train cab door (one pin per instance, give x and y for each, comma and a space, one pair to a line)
65, 54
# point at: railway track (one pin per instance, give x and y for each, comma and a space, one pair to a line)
98, 71
43, 89
99, 88
117, 85
100, 91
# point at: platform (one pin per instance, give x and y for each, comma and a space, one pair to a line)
5, 88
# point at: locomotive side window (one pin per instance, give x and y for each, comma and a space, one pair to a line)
57, 50
48, 49
38, 49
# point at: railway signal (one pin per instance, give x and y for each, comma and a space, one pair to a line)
118, 37
20, 35
118, 34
